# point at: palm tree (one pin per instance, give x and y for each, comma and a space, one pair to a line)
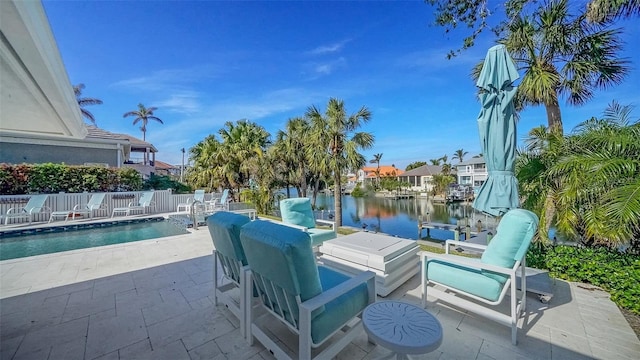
562, 55
435, 161
605, 10
376, 160
290, 147
143, 115
459, 154
83, 101
244, 144
587, 184
336, 133
207, 159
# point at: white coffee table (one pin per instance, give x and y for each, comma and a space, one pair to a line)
402, 328
394, 260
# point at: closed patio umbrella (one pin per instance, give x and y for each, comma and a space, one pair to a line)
497, 127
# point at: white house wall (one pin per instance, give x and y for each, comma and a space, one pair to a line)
36, 96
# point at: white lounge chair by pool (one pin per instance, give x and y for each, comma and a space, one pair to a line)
94, 204
34, 206
198, 195
146, 200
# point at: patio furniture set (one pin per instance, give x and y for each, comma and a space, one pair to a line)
271, 277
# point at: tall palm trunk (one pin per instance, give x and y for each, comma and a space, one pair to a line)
554, 117
316, 189
337, 193
303, 185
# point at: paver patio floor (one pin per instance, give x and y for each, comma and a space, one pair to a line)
153, 300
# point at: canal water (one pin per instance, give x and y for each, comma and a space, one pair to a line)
400, 217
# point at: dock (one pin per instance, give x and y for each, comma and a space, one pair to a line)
476, 234
399, 196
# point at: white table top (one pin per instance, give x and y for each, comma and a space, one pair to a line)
401, 327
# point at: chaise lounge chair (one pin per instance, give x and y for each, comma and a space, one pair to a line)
94, 204
228, 255
478, 285
146, 201
34, 206
217, 204
318, 304
297, 212
198, 195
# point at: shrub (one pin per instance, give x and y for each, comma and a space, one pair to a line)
53, 178
616, 272
358, 191
164, 183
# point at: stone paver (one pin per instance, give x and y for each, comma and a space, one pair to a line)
153, 300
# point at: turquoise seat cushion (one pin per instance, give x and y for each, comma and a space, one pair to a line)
468, 280
513, 237
341, 309
318, 236
283, 255
224, 228
297, 211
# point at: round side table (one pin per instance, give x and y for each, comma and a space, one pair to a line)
402, 328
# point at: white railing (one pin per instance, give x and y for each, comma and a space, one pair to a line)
165, 202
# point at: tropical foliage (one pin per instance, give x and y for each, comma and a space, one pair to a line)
376, 160
51, 178
143, 115
476, 16
415, 165
558, 55
586, 183
459, 155
616, 272
335, 134
85, 101
236, 161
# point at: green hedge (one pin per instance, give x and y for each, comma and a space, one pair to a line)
616, 272
54, 178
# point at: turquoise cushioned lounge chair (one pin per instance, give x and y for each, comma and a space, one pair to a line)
484, 282
228, 255
317, 303
297, 212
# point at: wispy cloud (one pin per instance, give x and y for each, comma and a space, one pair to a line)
168, 78
315, 69
328, 49
435, 59
185, 102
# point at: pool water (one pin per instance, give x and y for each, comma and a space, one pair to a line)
51, 242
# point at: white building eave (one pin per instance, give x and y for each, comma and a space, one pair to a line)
36, 96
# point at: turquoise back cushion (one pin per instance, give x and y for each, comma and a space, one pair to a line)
224, 228
283, 255
297, 211
514, 234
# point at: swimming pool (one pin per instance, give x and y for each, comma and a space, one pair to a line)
65, 238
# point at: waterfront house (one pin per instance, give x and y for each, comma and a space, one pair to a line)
421, 178
472, 172
368, 174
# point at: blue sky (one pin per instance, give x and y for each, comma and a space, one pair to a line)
204, 63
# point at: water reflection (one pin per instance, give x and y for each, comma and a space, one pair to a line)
400, 217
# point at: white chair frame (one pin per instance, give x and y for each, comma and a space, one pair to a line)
302, 327
232, 269
517, 305
139, 206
